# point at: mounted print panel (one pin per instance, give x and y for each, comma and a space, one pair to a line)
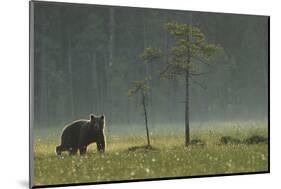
120, 94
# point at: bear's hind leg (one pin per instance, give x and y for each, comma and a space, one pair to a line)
83, 150
73, 151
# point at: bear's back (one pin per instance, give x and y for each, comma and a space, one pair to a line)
75, 127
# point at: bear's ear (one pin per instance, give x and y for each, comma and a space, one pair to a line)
92, 117
102, 117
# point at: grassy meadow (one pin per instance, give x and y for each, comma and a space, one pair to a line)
167, 158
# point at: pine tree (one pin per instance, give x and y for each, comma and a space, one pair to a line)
190, 44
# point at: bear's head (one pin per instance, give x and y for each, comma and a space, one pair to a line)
97, 122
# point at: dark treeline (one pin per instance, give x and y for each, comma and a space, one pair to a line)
87, 56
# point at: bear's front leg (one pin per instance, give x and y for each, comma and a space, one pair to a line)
83, 150
101, 146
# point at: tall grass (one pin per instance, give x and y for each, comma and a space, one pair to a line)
168, 159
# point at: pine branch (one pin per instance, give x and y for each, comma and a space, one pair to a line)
202, 61
198, 74
198, 83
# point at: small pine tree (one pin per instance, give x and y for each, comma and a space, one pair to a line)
141, 87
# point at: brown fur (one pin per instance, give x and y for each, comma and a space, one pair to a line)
80, 133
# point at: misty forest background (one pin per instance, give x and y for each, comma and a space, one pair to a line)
86, 58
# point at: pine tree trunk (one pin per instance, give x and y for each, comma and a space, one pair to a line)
145, 117
111, 35
95, 106
69, 65
43, 86
67, 59
187, 134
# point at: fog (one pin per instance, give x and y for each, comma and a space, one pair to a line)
86, 57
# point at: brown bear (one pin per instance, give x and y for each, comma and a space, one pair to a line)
80, 133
